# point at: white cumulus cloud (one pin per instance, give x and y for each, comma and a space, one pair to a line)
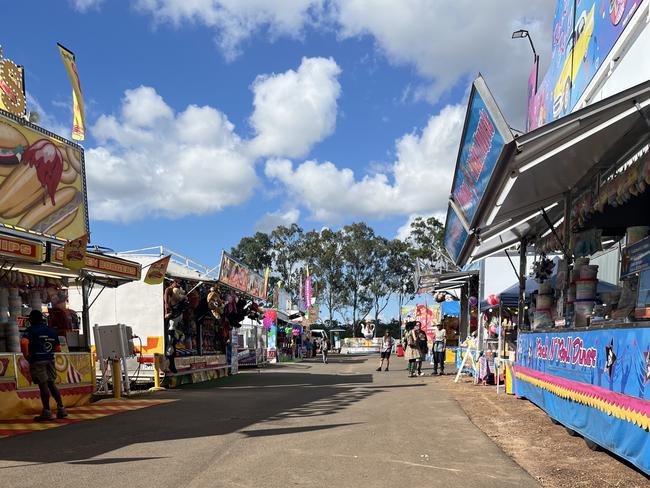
271, 220
86, 5
418, 182
446, 42
235, 21
151, 160
295, 109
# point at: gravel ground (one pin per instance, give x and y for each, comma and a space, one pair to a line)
545, 450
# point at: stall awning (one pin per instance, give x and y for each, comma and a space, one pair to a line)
445, 281
541, 166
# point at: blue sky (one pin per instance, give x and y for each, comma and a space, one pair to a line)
211, 119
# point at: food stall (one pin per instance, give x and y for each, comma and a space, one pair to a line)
39, 212
572, 187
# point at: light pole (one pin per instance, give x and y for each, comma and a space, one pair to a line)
520, 34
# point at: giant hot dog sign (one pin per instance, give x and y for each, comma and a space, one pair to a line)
42, 183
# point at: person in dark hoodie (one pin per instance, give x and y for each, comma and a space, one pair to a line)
38, 345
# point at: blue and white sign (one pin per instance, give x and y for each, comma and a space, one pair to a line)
596, 382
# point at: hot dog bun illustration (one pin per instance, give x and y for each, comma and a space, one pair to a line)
37, 177
51, 218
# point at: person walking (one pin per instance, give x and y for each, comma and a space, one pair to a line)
324, 347
412, 352
439, 347
423, 346
38, 345
386, 348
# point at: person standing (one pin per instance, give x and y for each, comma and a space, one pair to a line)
412, 352
439, 347
308, 346
386, 348
38, 345
324, 347
423, 346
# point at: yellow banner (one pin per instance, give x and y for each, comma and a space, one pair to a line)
79, 118
74, 253
156, 272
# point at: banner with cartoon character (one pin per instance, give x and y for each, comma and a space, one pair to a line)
42, 181
584, 34
596, 382
239, 276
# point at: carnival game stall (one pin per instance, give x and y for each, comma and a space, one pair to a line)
190, 347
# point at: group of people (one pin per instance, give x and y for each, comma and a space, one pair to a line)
322, 345
416, 348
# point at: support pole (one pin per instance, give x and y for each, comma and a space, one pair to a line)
464, 310
156, 374
567, 247
117, 379
85, 308
481, 297
522, 283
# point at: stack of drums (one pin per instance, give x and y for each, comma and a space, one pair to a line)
543, 316
583, 291
12, 334
35, 300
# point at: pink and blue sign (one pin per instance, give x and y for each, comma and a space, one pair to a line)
584, 33
595, 382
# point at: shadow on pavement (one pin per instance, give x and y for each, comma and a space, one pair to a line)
229, 406
91, 462
292, 430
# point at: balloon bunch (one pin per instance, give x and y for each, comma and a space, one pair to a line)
492, 300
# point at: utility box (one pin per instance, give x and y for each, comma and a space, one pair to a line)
113, 341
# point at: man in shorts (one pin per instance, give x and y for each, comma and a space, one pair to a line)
38, 345
386, 348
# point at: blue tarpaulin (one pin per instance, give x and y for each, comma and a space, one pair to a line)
451, 308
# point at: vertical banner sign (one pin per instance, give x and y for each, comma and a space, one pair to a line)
74, 253
79, 118
266, 282
533, 102
308, 292
12, 87
156, 272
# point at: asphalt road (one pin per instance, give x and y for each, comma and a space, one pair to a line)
307, 424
